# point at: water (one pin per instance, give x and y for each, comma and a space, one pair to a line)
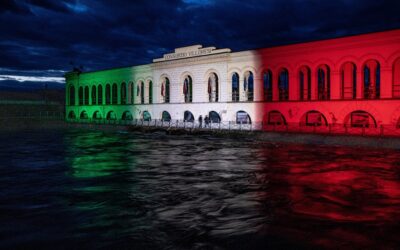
90, 189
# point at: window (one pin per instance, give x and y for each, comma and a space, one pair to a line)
323, 79
371, 80
276, 118
83, 115
187, 89
248, 85
360, 119
348, 81
242, 117
283, 85
235, 87
166, 117
267, 80
214, 117
150, 92
100, 95
165, 90
305, 83
212, 87
123, 93
315, 118
108, 94
130, 93
111, 116
71, 115
97, 115
188, 116
146, 116
114, 94
142, 92
127, 116
396, 79
94, 91
86, 99
80, 95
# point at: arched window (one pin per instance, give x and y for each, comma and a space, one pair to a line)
248, 85
100, 95
360, 119
165, 90
146, 116
214, 117
94, 95
283, 85
242, 117
130, 93
123, 93
348, 81
71, 115
86, 99
396, 79
83, 115
313, 118
371, 80
80, 95
108, 94
188, 116
150, 92
114, 94
235, 87
212, 87
127, 116
267, 80
111, 115
142, 92
165, 116
187, 89
96, 115
305, 83
71, 95
276, 118
323, 77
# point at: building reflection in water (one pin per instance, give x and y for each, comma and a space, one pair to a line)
340, 196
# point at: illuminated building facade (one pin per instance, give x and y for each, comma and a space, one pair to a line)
337, 84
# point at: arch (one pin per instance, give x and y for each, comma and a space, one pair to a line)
83, 115
123, 93
396, 78
323, 82
165, 116
304, 83
188, 116
348, 85
214, 117
97, 115
150, 83
235, 87
165, 89
71, 115
80, 94
146, 116
127, 116
111, 115
213, 87
71, 95
267, 85
371, 79
108, 94
114, 95
359, 119
94, 95
86, 95
276, 118
248, 85
242, 117
188, 88
313, 118
99, 95
283, 84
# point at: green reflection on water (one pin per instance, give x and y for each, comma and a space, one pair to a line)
98, 154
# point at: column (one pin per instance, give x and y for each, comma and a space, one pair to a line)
335, 85
386, 82
359, 82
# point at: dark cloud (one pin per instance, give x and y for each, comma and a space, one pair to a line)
45, 34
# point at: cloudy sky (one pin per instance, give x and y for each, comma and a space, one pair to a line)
44, 38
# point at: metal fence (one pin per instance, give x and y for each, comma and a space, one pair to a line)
337, 129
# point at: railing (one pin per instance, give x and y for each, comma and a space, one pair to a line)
41, 115
331, 129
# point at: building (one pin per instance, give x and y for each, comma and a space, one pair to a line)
336, 84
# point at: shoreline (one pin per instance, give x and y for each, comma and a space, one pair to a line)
265, 136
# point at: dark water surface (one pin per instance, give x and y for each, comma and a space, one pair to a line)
113, 190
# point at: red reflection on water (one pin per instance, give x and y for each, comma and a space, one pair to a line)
336, 195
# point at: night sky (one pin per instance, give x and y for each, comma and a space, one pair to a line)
45, 38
